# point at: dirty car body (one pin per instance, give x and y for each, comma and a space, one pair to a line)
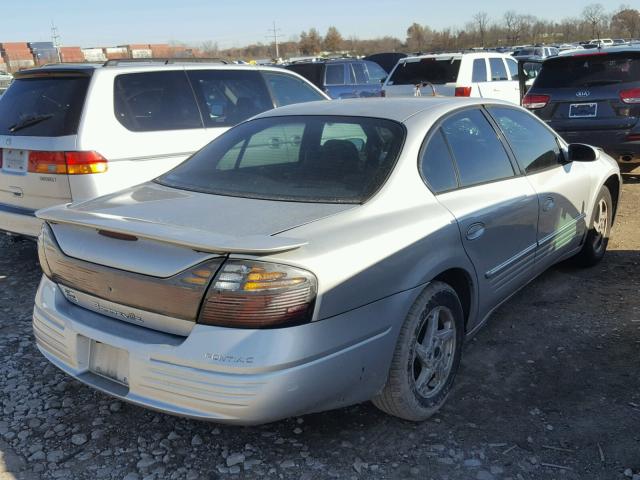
269, 275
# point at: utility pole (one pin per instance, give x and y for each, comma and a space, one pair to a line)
275, 33
55, 39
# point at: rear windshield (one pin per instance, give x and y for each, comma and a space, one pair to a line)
43, 107
589, 70
433, 70
323, 159
530, 52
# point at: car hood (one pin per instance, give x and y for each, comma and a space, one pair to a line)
202, 222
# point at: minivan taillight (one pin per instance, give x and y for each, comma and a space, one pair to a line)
630, 96
66, 163
252, 294
463, 91
532, 101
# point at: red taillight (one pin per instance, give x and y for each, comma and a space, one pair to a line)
630, 96
463, 91
383, 93
532, 101
632, 137
66, 163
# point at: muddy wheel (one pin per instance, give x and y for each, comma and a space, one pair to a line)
426, 357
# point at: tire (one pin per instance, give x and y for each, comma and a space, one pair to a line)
595, 245
420, 378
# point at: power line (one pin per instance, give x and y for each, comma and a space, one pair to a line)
275, 33
55, 39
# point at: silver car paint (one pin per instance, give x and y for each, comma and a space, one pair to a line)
371, 262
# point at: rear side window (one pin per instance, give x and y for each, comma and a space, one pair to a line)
335, 75
322, 159
43, 107
433, 70
479, 70
498, 72
376, 72
535, 147
228, 97
360, 73
287, 89
589, 70
478, 152
513, 68
436, 165
155, 101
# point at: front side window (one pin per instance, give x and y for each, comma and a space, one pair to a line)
228, 97
534, 146
288, 89
498, 72
321, 159
477, 150
479, 70
359, 73
154, 101
335, 75
436, 165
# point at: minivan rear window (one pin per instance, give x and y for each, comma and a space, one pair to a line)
48, 106
433, 70
323, 159
589, 70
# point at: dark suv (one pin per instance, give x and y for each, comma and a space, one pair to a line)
343, 78
592, 97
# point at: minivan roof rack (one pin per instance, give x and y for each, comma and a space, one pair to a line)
165, 61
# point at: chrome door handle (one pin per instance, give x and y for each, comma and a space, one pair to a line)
548, 204
475, 231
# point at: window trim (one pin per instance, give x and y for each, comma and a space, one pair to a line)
561, 143
517, 171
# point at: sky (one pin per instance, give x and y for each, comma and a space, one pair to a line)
238, 23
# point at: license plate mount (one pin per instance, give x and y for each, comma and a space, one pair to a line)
583, 110
15, 161
109, 362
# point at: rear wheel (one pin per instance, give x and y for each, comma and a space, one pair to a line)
595, 245
426, 357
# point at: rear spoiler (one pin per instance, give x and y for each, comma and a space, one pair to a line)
200, 240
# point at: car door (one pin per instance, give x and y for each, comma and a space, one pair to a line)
502, 86
514, 81
563, 189
479, 78
496, 210
336, 81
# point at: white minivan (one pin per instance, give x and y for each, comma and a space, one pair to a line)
71, 132
484, 74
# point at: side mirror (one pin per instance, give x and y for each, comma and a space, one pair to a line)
579, 152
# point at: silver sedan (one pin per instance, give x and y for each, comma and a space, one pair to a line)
317, 256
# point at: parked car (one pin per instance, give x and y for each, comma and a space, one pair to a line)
343, 78
593, 96
70, 133
603, 42
317, 256
536, 52
486, 75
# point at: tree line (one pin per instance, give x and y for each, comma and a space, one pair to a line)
512, 28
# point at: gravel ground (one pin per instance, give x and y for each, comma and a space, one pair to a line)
548, 390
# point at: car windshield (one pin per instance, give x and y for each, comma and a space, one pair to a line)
588, 70
432, 69
48, 107
530, 52
323, 159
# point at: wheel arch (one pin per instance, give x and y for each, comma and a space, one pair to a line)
613, 184
462, 282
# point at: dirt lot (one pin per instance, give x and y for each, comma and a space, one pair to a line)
550, 389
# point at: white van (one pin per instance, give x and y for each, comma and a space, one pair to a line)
485, 74
74, 132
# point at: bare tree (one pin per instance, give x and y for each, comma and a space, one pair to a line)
627, 21
333, 41
481, 20
416, 37
595, 16
310, 43
209, 48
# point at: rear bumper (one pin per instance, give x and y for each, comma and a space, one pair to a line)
229, 375
19, 221
614, 142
